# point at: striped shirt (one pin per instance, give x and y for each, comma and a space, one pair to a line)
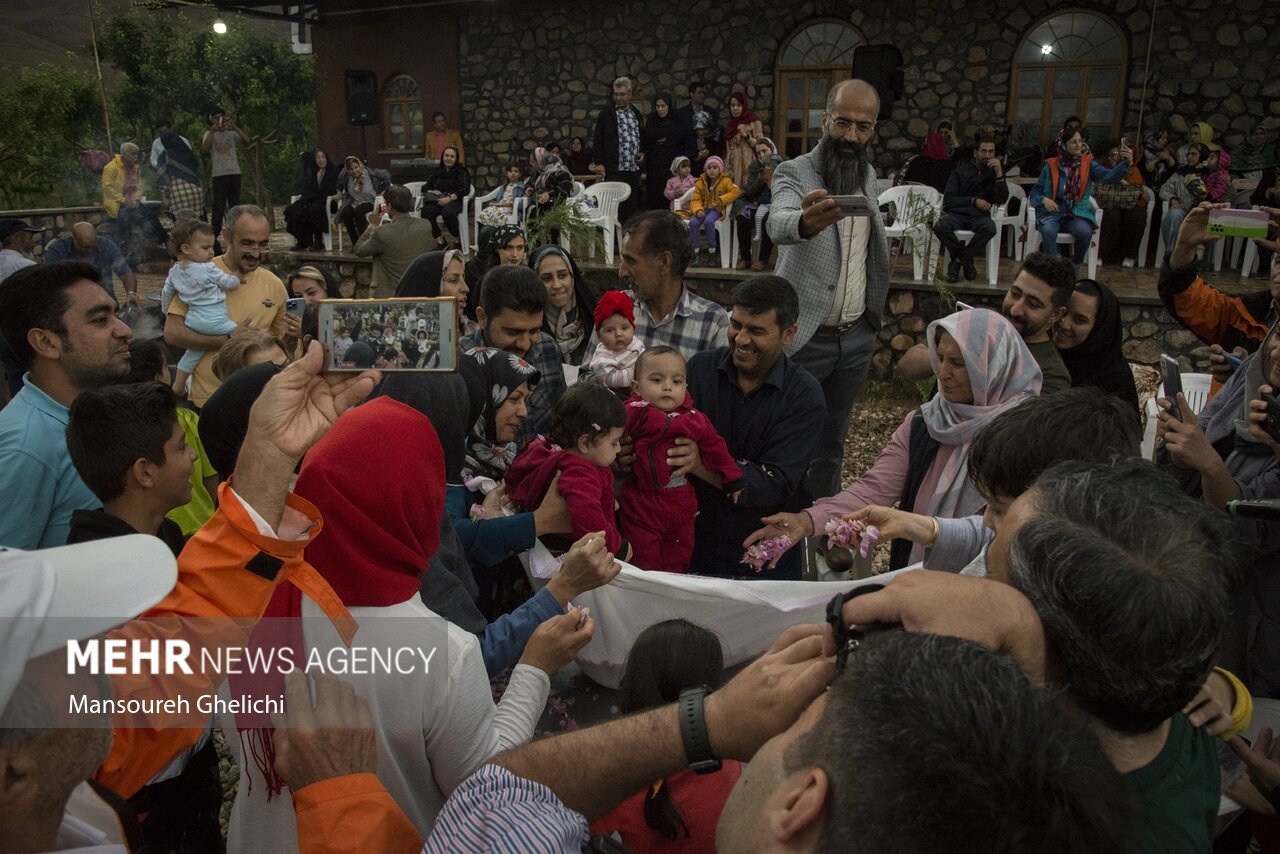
697, 324
494, 810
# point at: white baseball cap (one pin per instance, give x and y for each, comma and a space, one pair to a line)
51, 596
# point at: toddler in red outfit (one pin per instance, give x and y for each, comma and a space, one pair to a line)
586, 428
658, 508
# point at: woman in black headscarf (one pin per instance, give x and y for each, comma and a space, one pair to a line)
307, 219
664, 138
224, 420
1090, 340
570, 302
505, 244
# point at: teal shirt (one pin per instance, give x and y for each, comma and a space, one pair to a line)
39, 487
1177, 794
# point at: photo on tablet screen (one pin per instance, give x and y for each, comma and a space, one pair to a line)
391, 334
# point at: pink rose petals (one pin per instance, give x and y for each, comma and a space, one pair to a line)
845, 533
762, 553
477, 512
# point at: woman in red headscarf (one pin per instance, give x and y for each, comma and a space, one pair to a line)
378, 480
741, 135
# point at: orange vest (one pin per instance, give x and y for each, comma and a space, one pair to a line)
1086, 164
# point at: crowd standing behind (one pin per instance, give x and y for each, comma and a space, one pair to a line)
650, 425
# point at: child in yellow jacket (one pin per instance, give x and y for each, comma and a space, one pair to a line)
712, 195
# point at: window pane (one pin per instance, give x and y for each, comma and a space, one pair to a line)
1073, 36
1103, 81
815, 121
1063, 107
395, 114
795, 121
1031, 81
794, 146
1029, 110
1067, 81
795, 91
818, 90
1100, 112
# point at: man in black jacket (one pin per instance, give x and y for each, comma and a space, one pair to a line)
973, 189
616, 145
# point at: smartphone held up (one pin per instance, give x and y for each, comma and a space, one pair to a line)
390, 335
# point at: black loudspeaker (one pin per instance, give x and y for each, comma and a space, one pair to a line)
361, 92
881, 66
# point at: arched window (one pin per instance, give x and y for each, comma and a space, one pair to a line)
1071, 64
402, 113
809, 64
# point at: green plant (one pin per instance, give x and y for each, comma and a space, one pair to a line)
49, 114
564, 219
920, 214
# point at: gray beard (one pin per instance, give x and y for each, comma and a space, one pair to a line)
843, 173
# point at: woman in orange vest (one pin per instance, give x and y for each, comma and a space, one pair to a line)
1061, 196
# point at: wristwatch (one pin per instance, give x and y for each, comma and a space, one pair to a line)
693, 731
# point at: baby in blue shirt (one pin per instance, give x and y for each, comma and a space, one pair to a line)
202, 287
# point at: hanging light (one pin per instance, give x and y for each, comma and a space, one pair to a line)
220, 26
1046, 50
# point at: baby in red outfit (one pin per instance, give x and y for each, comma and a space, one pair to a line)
586, 428
657, 508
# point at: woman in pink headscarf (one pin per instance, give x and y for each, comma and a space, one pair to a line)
983, 368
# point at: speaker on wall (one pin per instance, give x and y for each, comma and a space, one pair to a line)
881, 66
360, 88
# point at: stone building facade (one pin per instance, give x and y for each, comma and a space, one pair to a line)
524, 73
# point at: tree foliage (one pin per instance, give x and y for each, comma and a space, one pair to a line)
48, 115
172, 69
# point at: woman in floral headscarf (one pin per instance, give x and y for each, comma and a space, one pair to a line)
983, 368
1061, 196
502, 382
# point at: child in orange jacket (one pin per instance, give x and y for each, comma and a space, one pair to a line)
713, 193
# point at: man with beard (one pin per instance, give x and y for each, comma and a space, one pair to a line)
257, 304
62, 326
839, 265
1034, 304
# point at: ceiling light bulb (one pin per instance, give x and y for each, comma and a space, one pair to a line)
220, 26
1047, 49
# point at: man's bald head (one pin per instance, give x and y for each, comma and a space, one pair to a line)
84, 236
853, 94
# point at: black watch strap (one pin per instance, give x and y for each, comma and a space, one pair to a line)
693, 730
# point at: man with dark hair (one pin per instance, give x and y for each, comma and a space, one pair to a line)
655, 254
512, 302
839, 265
973, 189
1005, 459
703, 124
127, 445
1117, 593
63, 328
616, 145
257, 304
16, 239
440, 137
1034, 304
765, 406
221, 142
157, 147
999, 767
394, 244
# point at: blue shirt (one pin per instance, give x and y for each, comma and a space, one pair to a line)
106, 257
39, 487
771, 433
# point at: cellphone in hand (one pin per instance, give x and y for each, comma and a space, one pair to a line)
1232, 360
1171, 375
1272, 424
295, 306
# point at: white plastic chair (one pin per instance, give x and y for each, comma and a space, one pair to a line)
415, 187
608, 195
992, 248
1091, 259
1218, 245
725, 235
464, 222
331, 206
1150, 196
1013, 222
917, 198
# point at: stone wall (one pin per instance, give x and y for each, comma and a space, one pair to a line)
57, 222
538, 72
349, 271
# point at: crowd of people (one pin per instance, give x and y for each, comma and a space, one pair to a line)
1067, 669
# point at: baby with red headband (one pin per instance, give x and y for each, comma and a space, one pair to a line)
614, 360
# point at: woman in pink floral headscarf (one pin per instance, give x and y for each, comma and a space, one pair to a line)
983, 368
